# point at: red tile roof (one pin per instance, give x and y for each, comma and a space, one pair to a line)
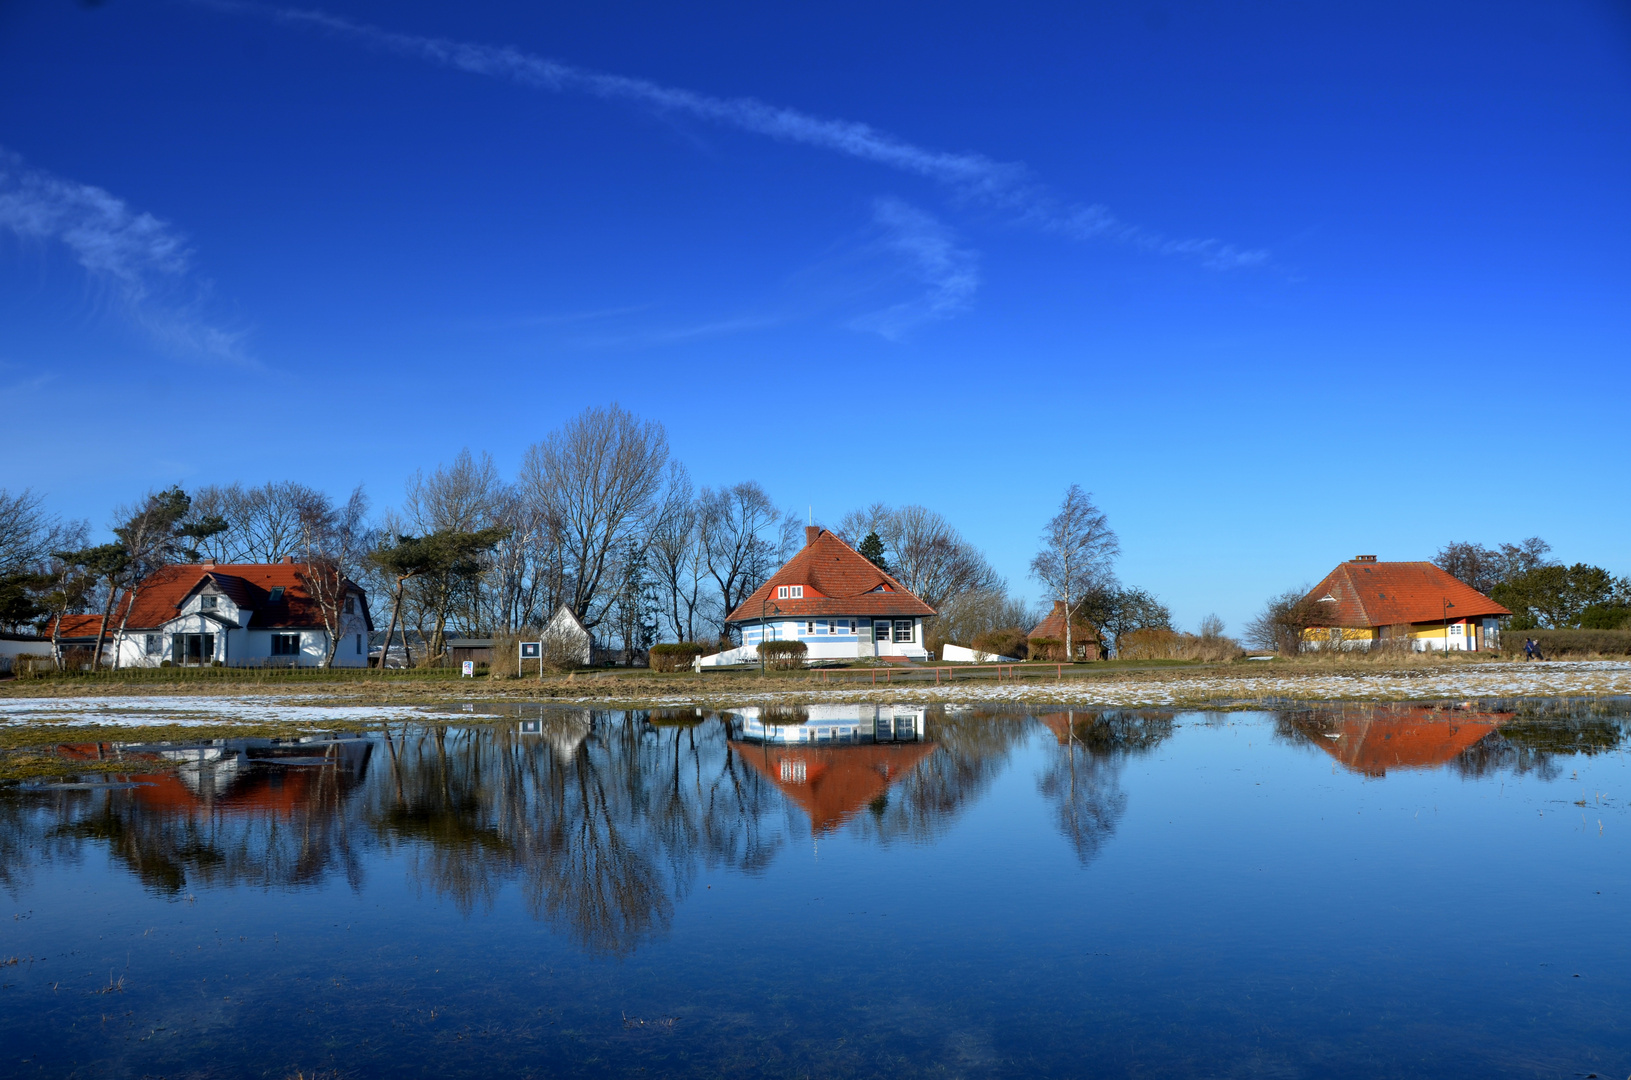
248, 585
837, 580
1372, 594
1054, 626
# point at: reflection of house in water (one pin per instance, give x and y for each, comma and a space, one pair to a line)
235, 775
1373, 740
563, 729
832, 760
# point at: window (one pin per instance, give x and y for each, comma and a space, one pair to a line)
359, 644
781, 592
852, 626
277, 594
192, 648
903, 629
207, 602
880, 630
809, 628
795, 592
285, 644
351, 605
154, 644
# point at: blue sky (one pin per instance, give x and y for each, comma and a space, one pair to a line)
1278, 283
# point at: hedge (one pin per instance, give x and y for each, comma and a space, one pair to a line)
1555, 643
676, 655
783, 654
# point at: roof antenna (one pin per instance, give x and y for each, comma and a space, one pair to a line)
812, 514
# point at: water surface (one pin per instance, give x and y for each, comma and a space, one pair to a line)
836, 892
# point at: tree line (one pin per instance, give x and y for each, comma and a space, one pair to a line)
599, 518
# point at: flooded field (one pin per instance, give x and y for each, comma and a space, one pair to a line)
833, 890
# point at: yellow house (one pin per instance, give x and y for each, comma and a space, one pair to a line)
1364, 601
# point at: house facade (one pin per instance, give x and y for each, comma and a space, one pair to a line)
234, 615
834, 600
1363, 602
1084, 637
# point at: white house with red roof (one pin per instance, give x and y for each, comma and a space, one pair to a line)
832, 598
235, 615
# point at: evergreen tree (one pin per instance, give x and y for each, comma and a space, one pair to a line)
871, 550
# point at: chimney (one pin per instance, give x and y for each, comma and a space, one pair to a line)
1364, 558
208, 563
288, 560
810, 534
1059, 607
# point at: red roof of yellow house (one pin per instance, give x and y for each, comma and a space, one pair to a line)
1367, 593
836, 579
831, 783
1372, 742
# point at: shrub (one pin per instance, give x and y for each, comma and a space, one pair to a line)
1555, 643
1006, 641
1047, 648
784, 654
676, 656
1158, 644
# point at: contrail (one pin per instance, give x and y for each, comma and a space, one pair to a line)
969, 175
142, 257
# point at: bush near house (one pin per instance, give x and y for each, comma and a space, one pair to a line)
1007, 641
1558, 643
784, 654
677, 655
1046, 648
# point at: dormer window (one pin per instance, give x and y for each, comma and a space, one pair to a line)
207, 602
277, 594
781, 592
795, 592
351, 605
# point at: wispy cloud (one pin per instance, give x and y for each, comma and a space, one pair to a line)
678, 335
143, 259
969, 176
930, 255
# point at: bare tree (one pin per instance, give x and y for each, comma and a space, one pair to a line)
336, 540
734, 522
467, 496
1283, 623
28, 533
1078, 548
931, 559
597, 480
263, 524
155, 533
677, 555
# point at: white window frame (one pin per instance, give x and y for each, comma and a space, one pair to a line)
299, 643
208, 602
795, 592
781, 592
908, 627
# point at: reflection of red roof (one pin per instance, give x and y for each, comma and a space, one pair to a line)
1059, 724
1394, 593
830, 783
837, 580
258, 790
1420, 738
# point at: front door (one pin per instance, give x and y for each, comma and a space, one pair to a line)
880, 634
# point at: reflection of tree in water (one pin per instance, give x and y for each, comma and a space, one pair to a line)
1537, 735
602, 818
1083, 779
970, 748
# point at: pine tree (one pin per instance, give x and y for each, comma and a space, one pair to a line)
871, 549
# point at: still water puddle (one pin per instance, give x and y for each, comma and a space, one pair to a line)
834, 891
